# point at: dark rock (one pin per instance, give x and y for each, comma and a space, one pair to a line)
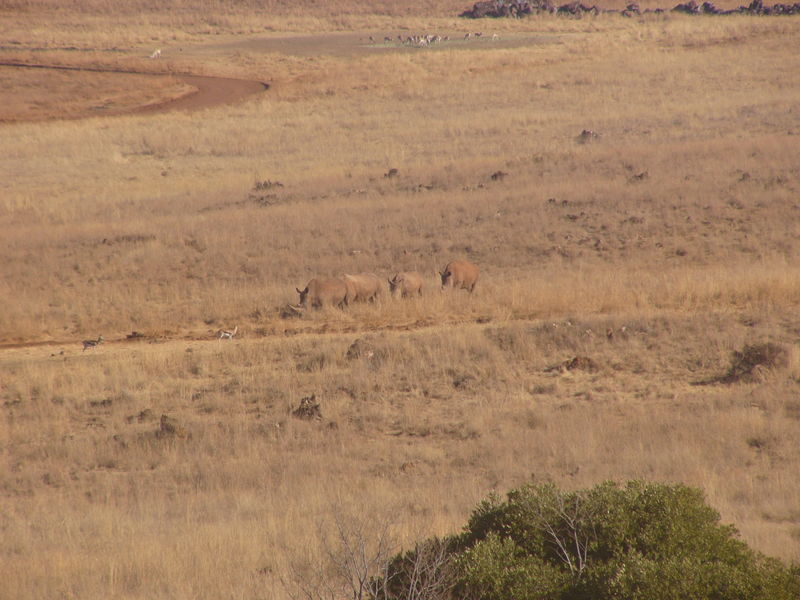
309, 409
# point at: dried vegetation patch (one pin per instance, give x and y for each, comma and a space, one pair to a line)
615, 275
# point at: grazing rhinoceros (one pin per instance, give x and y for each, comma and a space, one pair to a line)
367, 286
406, 283
460, 274
325, 292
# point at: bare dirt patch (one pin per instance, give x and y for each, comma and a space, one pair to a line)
41, 92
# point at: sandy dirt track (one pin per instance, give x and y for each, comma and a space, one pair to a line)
33, 90
199, 91
210, 92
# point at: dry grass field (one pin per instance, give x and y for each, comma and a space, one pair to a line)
651, 255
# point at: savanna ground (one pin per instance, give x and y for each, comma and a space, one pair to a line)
675, 231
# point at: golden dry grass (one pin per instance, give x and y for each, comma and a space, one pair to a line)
676, 230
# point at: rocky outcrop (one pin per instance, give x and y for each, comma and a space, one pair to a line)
520, 8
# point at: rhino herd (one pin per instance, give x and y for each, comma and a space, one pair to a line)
367, 287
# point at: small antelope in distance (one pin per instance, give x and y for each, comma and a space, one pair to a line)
92, 343
156, 54
228, 334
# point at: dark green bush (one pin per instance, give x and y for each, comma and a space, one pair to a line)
639, 541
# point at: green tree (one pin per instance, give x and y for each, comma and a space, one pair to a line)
641, 540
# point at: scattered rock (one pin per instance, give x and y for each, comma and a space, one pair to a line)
576, 363
631, 10
309, 409
408, 467
368, 348
461, 380
587, 136
171, 427
688, 8
756, 7
513, 9
266, 185
520, 8
144, 416
577, 8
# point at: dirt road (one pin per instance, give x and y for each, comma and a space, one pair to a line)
148, 93
37, 91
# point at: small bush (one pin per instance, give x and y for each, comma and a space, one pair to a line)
755, 361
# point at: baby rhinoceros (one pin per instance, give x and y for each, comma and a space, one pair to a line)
365, 287
320, 293
460, 275
406, 283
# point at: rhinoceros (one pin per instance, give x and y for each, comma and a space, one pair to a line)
367, 286
460, 274
325, 292
406, 283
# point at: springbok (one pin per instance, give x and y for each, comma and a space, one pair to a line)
92, 343
156, 54
225, 334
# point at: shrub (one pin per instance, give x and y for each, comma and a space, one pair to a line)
638, 541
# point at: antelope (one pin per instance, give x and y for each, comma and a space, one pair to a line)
224, 334
156, 54
387, 39
92, 343
467, 36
